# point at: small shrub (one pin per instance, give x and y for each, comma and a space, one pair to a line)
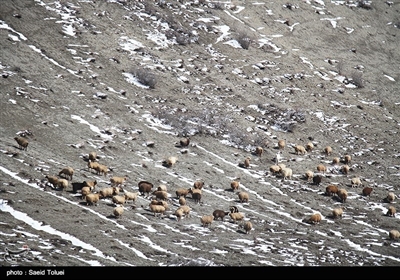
364, 4
145, 77
244, 40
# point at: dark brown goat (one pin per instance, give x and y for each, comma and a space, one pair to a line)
220, 214
145, 187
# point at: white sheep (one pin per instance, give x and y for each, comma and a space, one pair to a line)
109, 192
162, 187
183, 210
274, 169
206, 220
118, 211
390, 197
394, 234
182, 201
355, 182
286, 173
170, 161
309, 175
309, 146
85, 191
93, 165
391, 211
328, 150
101, 169
235, 185
337, 212
299, 150
342, 194
130, 195
321, 168
335, 160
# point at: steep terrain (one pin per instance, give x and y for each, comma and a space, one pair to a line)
130, 79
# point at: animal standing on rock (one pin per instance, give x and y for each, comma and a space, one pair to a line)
22, 143
67, 172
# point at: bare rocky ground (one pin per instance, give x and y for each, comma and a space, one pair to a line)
320, 71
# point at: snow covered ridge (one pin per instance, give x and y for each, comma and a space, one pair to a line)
231, 76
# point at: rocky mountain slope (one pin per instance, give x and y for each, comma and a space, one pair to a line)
130, 79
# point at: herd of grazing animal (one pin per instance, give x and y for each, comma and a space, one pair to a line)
160, 197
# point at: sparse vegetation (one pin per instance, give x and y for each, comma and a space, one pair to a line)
145, 77
357, 79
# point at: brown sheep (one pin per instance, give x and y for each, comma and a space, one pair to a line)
235, 185
317, 179
119, 199
259, 151
347, 159
394, 234
337, 212
93, 165
345, 169
118, 181
247, 162
161, 195
275, 169
342, 194
328, 150
206, 220
299, 150
281, 144
243, 196
309, 146
118, 211
335, 160
160, 202
182, 201
52, 180
198, 184
315, 218
196, 195
321, 168
182, 192
220, 214
63, 184
183, 210
101, 169
92, 198
157, 209
355, 182
85, 191
331, 190
367, 191
108, 192
145, 187
92, 156
22, 143
247, 227
391, 211
67, 172
309, 175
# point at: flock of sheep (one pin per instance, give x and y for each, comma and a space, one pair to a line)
160, 199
